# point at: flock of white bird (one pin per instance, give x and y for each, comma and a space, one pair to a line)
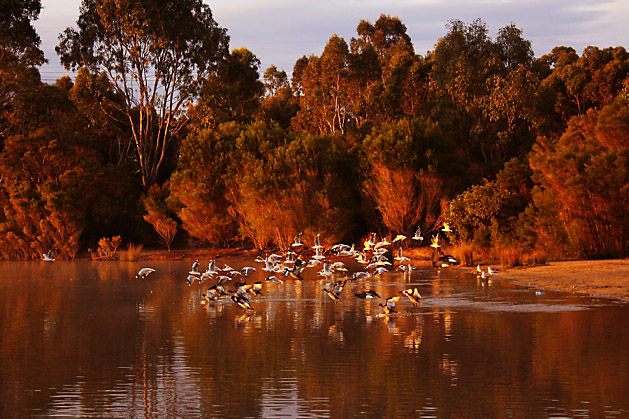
232, 283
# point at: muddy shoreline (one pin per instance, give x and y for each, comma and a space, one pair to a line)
596, 278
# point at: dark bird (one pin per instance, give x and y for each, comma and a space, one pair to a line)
296, 270
413, 295
254, 289
242, 301
367, 293
218, 290
335, 293
212, 295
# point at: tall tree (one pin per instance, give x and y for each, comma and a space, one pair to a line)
156, 55
233, 93
19, 56
323, 83
19, 41
279, 104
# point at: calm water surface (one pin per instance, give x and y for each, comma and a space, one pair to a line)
86, 338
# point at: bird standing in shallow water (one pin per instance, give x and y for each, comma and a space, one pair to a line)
418, 234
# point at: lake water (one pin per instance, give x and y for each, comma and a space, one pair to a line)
81, 339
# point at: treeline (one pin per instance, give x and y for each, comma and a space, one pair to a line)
164, 127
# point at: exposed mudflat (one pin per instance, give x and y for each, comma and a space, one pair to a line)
600, 278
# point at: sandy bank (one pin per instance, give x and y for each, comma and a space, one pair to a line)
599, 278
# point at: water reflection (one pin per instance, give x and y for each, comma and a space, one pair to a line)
88, 339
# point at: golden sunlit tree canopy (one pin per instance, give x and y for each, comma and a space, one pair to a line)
163, 136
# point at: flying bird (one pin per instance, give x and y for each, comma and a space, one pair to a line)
195, 268
242, 301
413, 295
367, 293
144, 272
389, 304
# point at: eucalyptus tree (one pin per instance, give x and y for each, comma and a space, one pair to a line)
322, 83
156, 53
233, 93
19, 56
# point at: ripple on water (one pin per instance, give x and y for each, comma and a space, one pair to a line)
280, 398
501, 306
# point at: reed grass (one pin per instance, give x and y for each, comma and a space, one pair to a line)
464, 253
131, 253
510, 256
537, 257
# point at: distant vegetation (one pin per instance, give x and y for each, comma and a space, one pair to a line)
164, 127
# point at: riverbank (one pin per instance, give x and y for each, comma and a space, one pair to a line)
598, 278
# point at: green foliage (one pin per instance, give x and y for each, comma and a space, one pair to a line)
157, 213
198, 186
303, 185
489, 213
19, 42
403, 185
583, 183
107, 248
369, 136
157, 55
233, 93
55, 191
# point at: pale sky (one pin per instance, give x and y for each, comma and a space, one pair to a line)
279, 32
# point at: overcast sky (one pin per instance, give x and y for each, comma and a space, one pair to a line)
279, 32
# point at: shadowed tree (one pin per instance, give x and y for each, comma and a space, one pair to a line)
279, 104
583, 184
233, 93
19, 55
403, 180
156, 55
